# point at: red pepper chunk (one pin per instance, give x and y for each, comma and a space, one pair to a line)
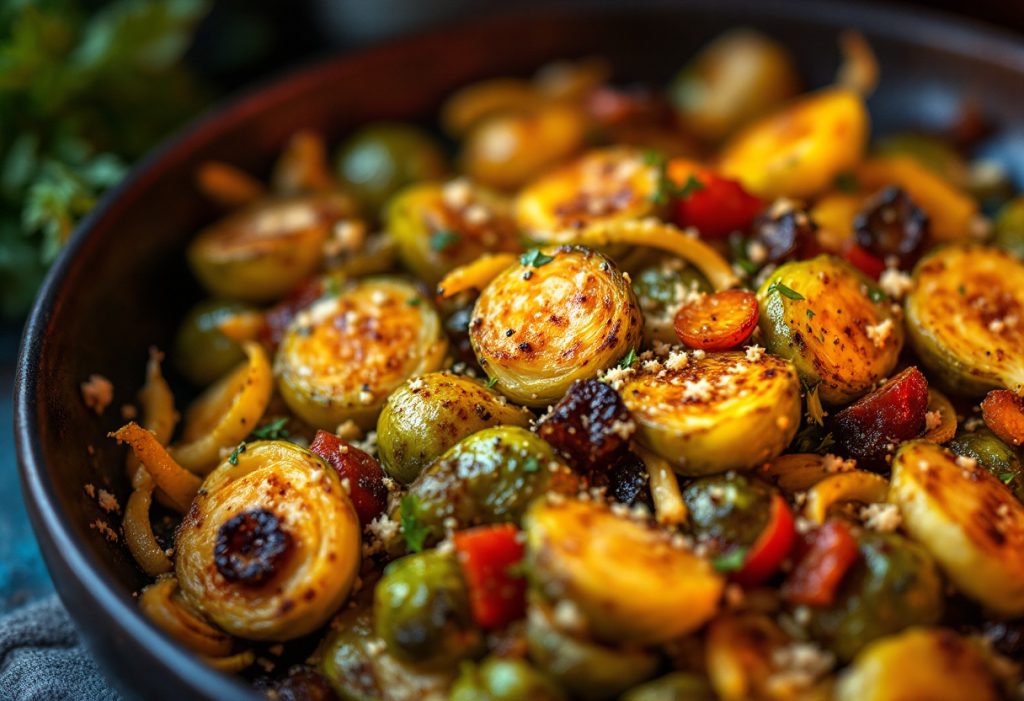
486, 554
831, 551
365, 477
771, 547
714, 205
863, 260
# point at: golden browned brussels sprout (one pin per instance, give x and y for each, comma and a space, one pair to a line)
661, 289
260, 253
922, 663
967, 519
380, 159
429, 414
677, 686
499, 679
201, 352
488, 477
269, 563
586, 669
606, 185
628, 582
507, 150
715, 412
799, 151
562, 314
421, 611
739, 76
839, 330
965, 316
343, 356
992, 454
440, 226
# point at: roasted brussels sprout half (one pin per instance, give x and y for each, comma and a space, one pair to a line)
731, 510
488, 477
260, 253
606, 185
586, 669
628, 582
562, 314
508, 150
429, 414
380, 159
661, 289
677, 686
921, 663
201, 352
799, 150
421, 611
342, 357
967, 519
739, 76
965, 316
269, 564
497, 679
715, 412
894, 585
839, 331
1009, 228
440, 226
992, 454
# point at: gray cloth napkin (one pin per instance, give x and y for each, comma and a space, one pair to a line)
43, 659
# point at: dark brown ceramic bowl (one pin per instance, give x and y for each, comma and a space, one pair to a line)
121, 283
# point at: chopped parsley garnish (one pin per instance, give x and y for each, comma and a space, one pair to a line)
414, 531
962, 290
443, 240
1005, 477
813, 439
691, 186
665, 188
332, 287
746, 265
785, 291
414, 301
535, 257
847, 182
627, 362
239, 449
273, 431
531, 464
876, 295
731, 561
815, 412
810, 313
491, 382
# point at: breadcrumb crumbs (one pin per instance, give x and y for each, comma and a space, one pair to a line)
754, 353
107, 501
97, 393
879, 333
881, 517
105, 530
932, 420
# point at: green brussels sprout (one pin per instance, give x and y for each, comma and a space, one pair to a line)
895, 585
497, 679
965, 317
1009, 228
429, 414
201, 352
488, 477
992, 454
421, 611
827, 318
739, 76
586, 669
677, 686
380, 159
733, 509
440, 226
932, 152
661, 289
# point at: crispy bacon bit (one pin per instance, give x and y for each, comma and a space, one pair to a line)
251, 547
590, 426
365, 476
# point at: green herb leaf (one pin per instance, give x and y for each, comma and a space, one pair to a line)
443, 240
531, 464
535, 257
414, 531
731, 561
810, 313
627, 361
785, 291
691, 186
876, 295
239, 449
491, 382
962, 290
414, 301
273, 431
1006, 477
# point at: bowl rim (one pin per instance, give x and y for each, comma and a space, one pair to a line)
957, 35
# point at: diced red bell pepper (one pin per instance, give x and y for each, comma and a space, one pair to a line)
771, 547
278, 318
1003, 412
870, 428
867, 263
497, 595
365, 477
830, 550
716, 206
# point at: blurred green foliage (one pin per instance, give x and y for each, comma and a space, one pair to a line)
83, 92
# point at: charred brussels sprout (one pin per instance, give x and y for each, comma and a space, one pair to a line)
661, 289
269, 564
343, 356
965, 315
992, 454
838, 330
499, 679
380, 159
428, 415
488, 477
562, 314
722, 411
677, 686
440, 226
262, 252
421, 611
730, 509
739, 76
201, 352
893, 586
627, 581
